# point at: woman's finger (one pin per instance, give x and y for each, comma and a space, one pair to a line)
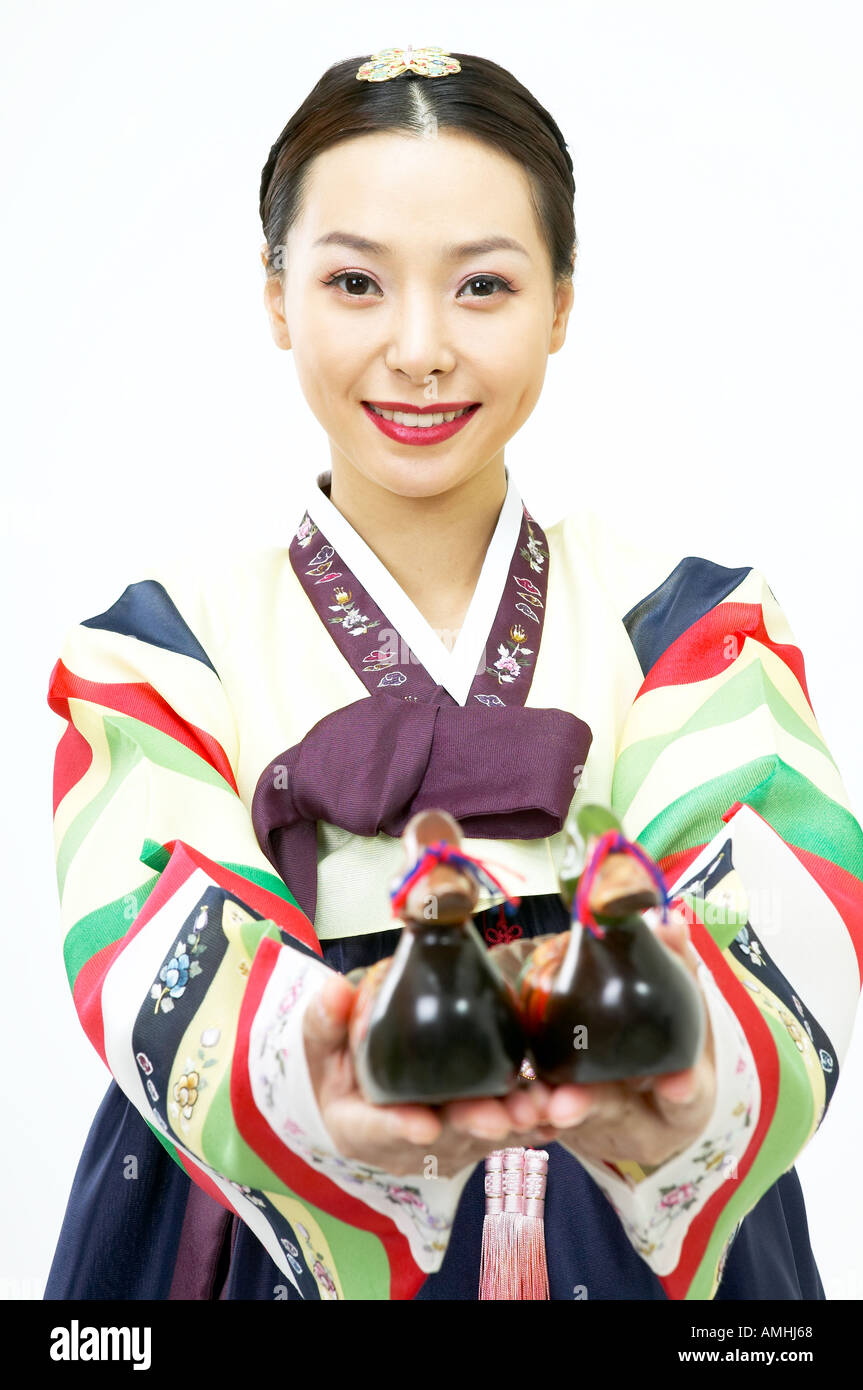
526, 1106
325, 1022
373, 1127
569, 1106
677, 1090
483, 1118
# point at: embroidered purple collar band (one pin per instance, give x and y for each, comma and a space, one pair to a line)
369, 766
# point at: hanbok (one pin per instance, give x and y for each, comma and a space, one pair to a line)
243, 745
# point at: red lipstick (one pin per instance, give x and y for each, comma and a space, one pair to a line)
419, 434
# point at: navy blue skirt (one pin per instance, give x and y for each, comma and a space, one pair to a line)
159, 1236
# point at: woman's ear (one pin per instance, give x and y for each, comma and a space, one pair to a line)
563, 298
274, 303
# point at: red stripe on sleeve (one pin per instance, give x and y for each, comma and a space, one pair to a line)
844, 891
140, 701
202, 1179
71, 760
87, 990
843, 888
673, 865
87, 996
284, 914
760, 1039
708, 647
405, 1276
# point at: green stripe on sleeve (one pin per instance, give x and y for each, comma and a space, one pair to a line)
129, 740
108, 924
797, 810
734, 700
359, 1256
789, 1128
103, 927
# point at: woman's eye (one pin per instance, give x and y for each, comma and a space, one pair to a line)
355, 283
484, 282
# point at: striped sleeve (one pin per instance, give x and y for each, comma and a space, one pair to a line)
190, 963
722, 774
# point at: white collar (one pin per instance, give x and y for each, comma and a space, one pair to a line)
454, 670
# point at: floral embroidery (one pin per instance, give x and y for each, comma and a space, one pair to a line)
716, 1159
190, 1083
778, 1009
175, 975
295, 989
272, 1043
512, 652
507, 667
803, 1037
511, 659
750, 946
534, 552
324, 1278
186, 1092
248, 1192
292, 1251
792, 1027
306, 530
353, 612
407, 1197
350, 617
684, 1193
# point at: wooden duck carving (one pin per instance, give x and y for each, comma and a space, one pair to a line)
436, 1021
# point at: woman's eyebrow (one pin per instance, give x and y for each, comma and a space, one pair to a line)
452, 251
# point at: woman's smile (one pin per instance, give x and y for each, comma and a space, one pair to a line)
420, 424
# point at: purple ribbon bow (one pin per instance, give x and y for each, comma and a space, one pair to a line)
503, 773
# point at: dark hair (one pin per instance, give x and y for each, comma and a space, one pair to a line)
483, 100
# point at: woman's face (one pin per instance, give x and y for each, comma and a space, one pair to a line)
383, 301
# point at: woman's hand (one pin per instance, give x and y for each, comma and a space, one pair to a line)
647, 1120
401, 1138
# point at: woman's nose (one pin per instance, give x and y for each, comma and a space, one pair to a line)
419, 341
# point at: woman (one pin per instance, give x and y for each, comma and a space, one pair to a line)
245, 744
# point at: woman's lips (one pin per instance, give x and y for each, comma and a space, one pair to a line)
419, 434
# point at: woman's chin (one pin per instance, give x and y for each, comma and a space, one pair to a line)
425, 473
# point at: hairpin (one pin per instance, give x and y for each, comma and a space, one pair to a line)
391, 62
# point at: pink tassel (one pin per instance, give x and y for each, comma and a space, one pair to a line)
490, 1280
532, 1261
513, 1264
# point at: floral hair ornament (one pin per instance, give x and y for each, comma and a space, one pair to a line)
391, 62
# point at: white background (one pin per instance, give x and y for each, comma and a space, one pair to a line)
709, 389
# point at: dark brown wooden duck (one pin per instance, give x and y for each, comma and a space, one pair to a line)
436, 1021
610, 1006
